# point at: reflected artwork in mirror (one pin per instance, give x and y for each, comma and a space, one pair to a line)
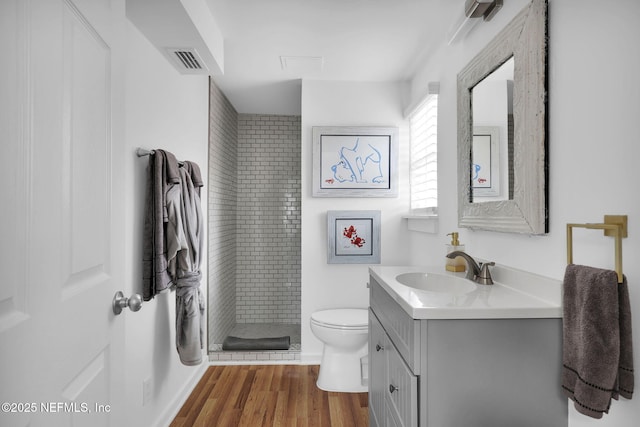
502, 129
492, 142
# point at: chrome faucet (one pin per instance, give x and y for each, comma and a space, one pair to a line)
478, 273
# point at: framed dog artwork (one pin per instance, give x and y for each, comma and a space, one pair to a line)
355, 161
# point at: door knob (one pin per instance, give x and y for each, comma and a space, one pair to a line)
120, 301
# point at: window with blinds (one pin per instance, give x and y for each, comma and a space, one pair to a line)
424, 156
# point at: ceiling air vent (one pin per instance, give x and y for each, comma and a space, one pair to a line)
187, 61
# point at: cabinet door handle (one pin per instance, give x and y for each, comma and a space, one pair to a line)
379, 347
392, 388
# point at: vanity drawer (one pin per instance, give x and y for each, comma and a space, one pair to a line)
401, 328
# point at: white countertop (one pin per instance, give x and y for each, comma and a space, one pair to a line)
514, 294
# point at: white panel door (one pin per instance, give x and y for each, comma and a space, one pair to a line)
61, 347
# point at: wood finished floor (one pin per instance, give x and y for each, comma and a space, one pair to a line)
269, 395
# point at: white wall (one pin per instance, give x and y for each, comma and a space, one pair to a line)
594, 105
335, 285
163, 110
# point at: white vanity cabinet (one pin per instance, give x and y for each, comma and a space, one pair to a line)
462, 372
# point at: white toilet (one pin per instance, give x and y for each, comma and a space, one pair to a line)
344, 333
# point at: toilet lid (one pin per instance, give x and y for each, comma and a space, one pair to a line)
345, 317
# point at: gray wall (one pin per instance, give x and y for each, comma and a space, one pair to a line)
222, 212
268, 245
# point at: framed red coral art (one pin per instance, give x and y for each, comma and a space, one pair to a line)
353, 237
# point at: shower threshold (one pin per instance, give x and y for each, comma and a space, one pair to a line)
260, 330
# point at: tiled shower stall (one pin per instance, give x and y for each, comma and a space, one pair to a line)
254, 228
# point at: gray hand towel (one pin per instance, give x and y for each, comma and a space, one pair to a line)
162, 174
625, 368
597, 351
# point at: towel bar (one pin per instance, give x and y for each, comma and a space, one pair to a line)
141, 152
614, 225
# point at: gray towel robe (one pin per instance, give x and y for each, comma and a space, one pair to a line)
185, 247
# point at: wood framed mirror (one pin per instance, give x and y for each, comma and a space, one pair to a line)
525, 208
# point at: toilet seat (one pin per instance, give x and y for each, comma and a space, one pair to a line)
345, 318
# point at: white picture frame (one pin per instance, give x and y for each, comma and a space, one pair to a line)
353, 237
351, 161
485, 164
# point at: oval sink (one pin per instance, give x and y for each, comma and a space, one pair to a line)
436, 283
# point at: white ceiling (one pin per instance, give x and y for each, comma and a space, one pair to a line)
340, 40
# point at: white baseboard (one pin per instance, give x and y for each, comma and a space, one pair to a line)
302, 361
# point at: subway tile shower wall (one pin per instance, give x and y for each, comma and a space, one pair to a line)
222, 213
268, 219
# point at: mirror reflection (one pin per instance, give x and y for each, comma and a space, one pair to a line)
492, 173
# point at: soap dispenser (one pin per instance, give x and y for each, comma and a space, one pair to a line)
456, 264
